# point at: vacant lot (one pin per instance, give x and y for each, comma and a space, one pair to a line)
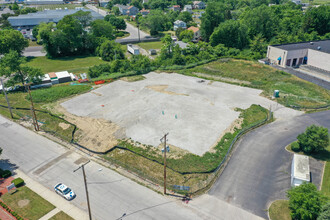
151, 45
195, 113
78, 64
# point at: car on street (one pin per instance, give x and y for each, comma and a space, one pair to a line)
64, 191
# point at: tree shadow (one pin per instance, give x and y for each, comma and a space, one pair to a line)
5, 164
321, 155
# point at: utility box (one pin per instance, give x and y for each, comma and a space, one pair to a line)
276, 93
133, 49
299, 170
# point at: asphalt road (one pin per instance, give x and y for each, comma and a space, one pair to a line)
259, 170
111, 195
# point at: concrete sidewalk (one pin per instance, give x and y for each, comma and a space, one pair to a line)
60, 203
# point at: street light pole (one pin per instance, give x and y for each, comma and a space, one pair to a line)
83, 169
164, 138
4, 91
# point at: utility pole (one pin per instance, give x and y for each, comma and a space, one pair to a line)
34, 116
164, 138
83, 169
4, 91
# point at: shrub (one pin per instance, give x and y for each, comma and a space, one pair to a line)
18, 182
314, 139
6, 173
295, 146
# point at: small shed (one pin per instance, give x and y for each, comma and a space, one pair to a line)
63, 77
45, 79
300, 170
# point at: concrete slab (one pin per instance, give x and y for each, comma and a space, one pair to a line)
194, 113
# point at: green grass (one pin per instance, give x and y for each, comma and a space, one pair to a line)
35, 209
293, 90
279, 210
33, 43
55, 93
61, 216
326, 180
151, 45
78, 64
41, 98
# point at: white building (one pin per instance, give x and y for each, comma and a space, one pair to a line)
299, 170
179, 24
188, 8
315, 54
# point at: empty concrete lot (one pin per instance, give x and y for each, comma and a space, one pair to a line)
194, 112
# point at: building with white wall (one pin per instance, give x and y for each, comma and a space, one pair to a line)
299, 170
315, 54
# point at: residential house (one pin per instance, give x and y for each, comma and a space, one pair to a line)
188, 8
176, 8
179, 24
144, 12
128, 10
104, 3
197, 33
181, 44
199, 5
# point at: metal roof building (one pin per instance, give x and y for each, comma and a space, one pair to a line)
30, 20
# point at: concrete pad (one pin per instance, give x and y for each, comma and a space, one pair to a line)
194, 113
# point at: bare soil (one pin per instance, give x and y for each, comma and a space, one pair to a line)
23, 202
95, 134
162, 89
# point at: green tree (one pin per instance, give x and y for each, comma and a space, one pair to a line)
15, 7
178, 58
84, 17
137, 3
314, 139
12, 40
140, 64
109, 5
110, 50
118, 23
178, 32
317, 19
12, 66
185, 16
230, 33
213, 16
325, 212
305, 201
260, 20
102, 29
116, 11
186, 35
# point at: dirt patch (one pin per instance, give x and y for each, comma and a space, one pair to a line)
95, 134
96, 93
64, 126
237, 124
224, 79
23, 202
162, 89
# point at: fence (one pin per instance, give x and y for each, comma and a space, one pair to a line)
205, 179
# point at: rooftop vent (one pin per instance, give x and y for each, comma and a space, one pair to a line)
319, 48
311, 43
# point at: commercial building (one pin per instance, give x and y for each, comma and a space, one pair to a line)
299, 170
25, 23
315, 54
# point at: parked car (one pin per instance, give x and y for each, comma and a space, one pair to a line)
64, 191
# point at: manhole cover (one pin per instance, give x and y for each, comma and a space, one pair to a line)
6, 124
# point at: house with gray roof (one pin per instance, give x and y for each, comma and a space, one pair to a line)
315, 54
128, 10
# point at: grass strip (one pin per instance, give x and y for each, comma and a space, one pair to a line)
61, 216
279, 210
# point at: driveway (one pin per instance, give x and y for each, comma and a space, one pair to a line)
259, 170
